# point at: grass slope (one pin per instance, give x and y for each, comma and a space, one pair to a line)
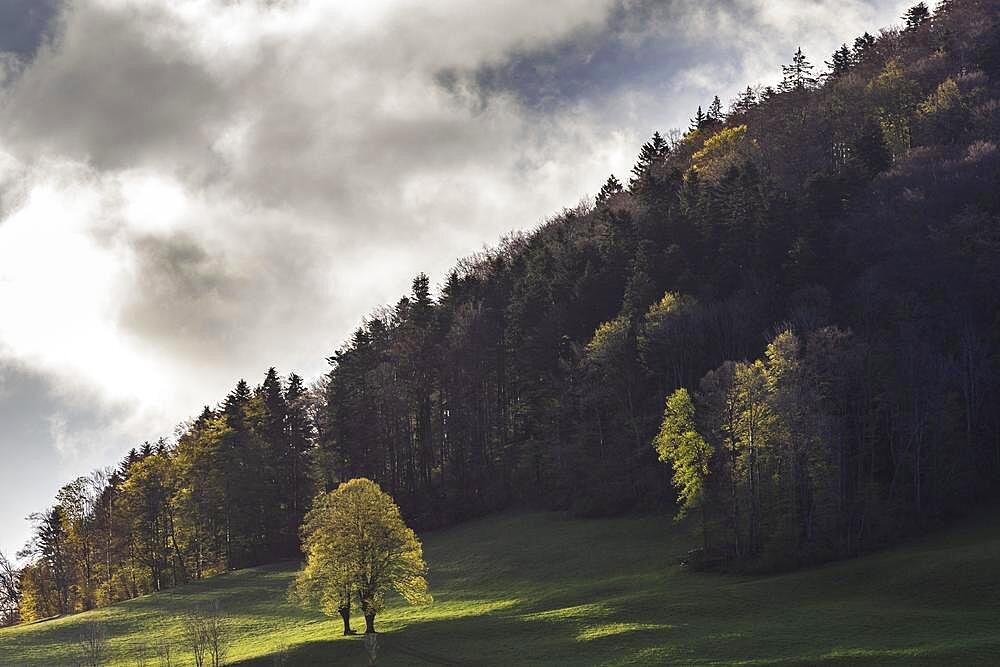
540, 589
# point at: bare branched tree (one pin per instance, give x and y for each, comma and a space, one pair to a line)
94, 646
208, 633
194, 637
218, 635
10, 592
165, 652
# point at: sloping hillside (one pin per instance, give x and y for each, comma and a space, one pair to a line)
807, 281
542, 589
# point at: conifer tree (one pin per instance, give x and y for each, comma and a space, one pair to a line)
797, 76
699, 120
840, 62
864, 49
745, 101
609, 190
916, 16
715, 115
652, 153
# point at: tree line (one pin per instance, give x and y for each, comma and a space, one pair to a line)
793, 299
230, 492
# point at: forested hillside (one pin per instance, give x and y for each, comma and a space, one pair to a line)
810, 276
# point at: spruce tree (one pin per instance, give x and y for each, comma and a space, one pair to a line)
864, 49
797, 76
745, 101
610, 188
698, 121
652, 153
916, 16
715, 115
840, 62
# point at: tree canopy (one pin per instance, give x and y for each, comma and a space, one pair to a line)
356, 544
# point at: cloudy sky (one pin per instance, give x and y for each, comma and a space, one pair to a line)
194, 190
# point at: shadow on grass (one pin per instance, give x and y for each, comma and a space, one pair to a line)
322, 652
640, 619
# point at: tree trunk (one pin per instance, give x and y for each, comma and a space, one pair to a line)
345, 613
369, 624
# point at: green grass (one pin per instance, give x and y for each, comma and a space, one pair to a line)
541, 589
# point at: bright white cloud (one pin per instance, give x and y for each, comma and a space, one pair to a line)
213, 187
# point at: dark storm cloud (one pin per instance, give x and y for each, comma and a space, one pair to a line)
649, 45
138, 99
25, 24
628, 51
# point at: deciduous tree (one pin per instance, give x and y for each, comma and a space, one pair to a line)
355, 537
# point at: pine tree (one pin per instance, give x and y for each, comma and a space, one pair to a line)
745, 101
652, 153
864, 49
639, 290
299, 440
698, 122
715, 115
797, 76
609, 190
277, 464
916, 16
943, 7
422, 304
840, 62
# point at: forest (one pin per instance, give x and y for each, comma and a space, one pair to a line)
784, 325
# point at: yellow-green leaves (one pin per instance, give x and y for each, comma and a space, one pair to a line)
727, 148
680, 444
894, 96
944, 98
356, 544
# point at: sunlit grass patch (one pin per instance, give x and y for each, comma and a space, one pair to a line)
613, 629
539, 589
579, 611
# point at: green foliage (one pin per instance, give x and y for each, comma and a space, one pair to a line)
607, 341
773, 421
731, 147
894, 95
679, 444
944, 98
942, 114
357, 544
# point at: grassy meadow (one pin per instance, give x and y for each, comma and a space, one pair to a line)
542, 589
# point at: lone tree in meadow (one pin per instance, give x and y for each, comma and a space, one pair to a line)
357, 546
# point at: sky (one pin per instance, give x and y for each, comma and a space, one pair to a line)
192, 191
